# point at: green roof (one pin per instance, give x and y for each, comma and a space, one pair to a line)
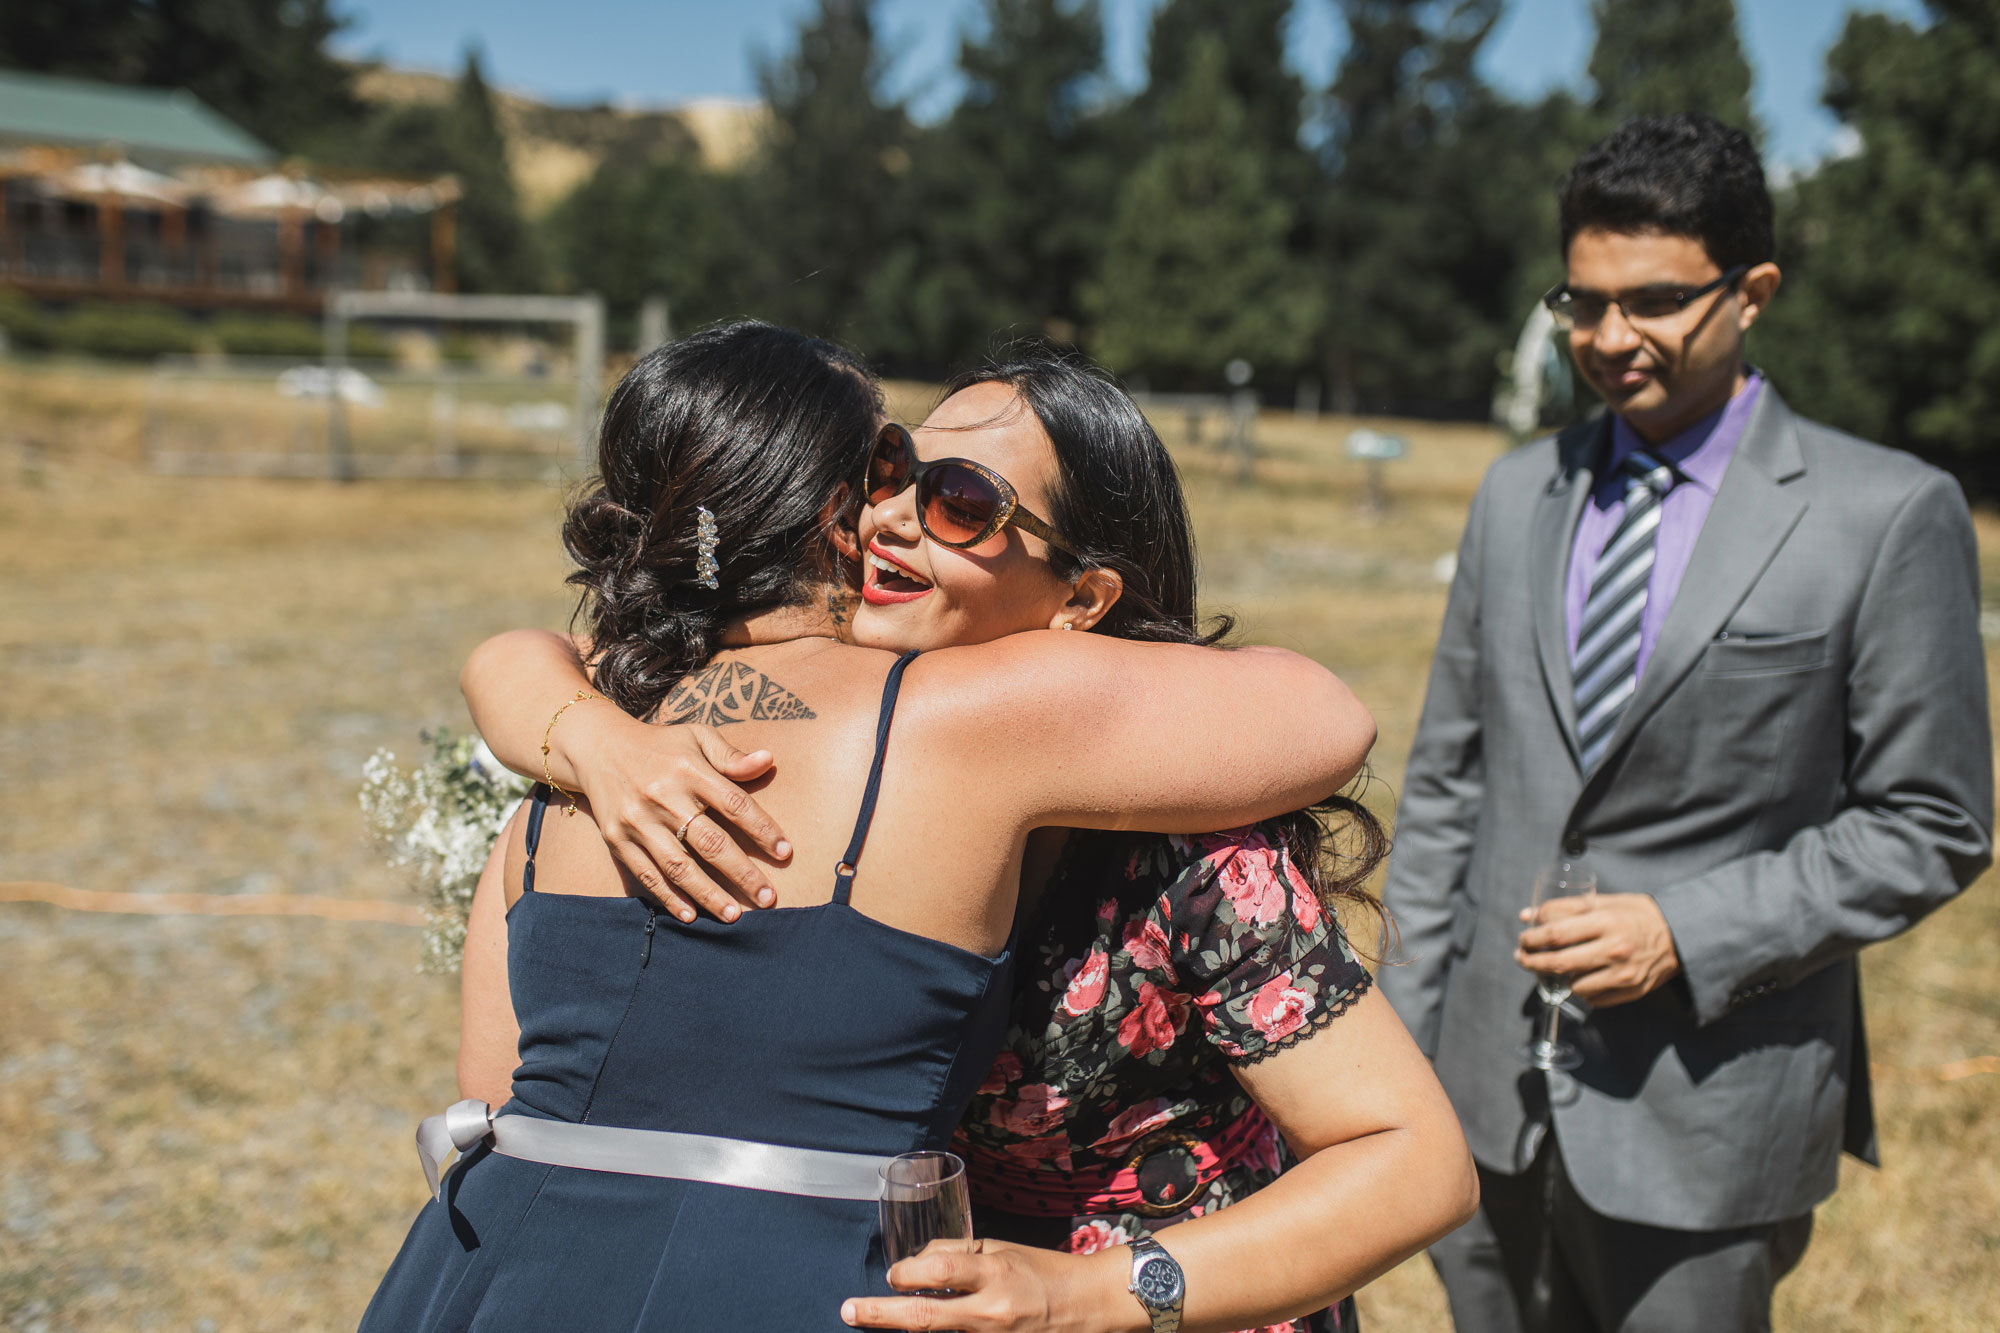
150, 124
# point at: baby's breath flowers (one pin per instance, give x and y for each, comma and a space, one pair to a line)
438, 822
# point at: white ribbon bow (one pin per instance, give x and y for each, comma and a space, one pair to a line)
462, 1125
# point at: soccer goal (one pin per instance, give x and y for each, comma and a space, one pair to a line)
520, 406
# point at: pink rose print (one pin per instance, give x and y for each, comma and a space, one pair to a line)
1006, 1068
1212, 1018
1155, 1021
1034, 1111
1107, 909
1305, 903
1251, 882
1147, 944
1093, 1236
1134, 1121
1086, 984
1279, 1009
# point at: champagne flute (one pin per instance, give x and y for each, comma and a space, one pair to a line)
1565, 879
924, 1198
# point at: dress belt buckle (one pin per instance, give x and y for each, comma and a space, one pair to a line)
1164, 1140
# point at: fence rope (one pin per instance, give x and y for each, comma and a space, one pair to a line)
212, 904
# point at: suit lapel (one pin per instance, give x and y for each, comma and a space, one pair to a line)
1552, 530
1752, 515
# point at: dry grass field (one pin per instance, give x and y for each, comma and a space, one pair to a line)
204, 1122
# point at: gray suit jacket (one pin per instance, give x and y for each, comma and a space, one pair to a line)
1805, 768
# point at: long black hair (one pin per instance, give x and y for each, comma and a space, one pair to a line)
1118, 501
759, 425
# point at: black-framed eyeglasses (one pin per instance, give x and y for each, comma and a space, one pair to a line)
960, 503
1586, 309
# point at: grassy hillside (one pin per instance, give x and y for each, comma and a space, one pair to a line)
553, 149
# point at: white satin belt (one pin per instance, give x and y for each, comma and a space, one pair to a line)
646, 1152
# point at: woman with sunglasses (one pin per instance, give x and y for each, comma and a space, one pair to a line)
1167, 984
695, 1119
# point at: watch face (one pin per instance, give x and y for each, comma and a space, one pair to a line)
1159, 1282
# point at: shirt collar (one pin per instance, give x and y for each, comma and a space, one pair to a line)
1701, 452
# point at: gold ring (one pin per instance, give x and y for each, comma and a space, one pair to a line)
682, 834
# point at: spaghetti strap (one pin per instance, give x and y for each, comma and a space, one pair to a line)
843, 874
538, 805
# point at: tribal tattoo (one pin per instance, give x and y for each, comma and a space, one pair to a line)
726, 692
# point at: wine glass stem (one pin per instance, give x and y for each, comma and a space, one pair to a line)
1552, 1016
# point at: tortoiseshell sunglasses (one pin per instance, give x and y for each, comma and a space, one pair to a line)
960, 503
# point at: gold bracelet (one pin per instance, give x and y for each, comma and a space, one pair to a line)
548, 778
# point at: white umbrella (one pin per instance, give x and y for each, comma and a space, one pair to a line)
122, 179
276, 193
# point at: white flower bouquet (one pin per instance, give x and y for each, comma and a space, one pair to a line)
438, 822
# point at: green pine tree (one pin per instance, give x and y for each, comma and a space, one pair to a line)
1196, 270
1655, 58
497, 251
1017, 186
1272, 95
1438, 221
829, 199
1888, 323
640, 228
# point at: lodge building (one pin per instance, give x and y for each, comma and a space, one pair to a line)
110, 192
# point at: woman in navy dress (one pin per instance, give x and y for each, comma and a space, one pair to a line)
1157, 1067
684, 1140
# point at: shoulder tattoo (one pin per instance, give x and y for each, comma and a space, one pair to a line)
725, 692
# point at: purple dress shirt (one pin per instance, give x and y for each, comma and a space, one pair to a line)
1701, 454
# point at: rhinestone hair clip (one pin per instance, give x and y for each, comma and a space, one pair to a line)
705, 568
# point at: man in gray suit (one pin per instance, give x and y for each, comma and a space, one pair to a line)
1731, 659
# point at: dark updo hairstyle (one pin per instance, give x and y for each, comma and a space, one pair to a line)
1682, 175
759, 425
1117, 499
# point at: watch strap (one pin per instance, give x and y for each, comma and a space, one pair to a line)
1145, 1251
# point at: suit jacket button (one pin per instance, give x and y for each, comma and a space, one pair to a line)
1573, 843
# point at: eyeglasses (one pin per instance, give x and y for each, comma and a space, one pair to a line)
1586, 310
960, 503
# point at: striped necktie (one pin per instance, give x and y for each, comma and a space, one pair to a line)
1607, 642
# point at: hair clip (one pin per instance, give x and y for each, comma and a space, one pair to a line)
705, 568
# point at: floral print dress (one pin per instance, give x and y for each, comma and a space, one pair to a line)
1152, 966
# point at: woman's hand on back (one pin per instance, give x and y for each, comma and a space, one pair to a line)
644, 782
1005, 1288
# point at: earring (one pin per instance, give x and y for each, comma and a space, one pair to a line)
1067, 625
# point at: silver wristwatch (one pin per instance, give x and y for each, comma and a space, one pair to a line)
1158, 1283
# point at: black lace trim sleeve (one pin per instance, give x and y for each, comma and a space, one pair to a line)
1320, 1019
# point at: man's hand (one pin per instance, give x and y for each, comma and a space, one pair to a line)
1615, 947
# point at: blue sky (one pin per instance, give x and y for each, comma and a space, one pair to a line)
655, 52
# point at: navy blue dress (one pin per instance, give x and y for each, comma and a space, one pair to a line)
816, 1027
